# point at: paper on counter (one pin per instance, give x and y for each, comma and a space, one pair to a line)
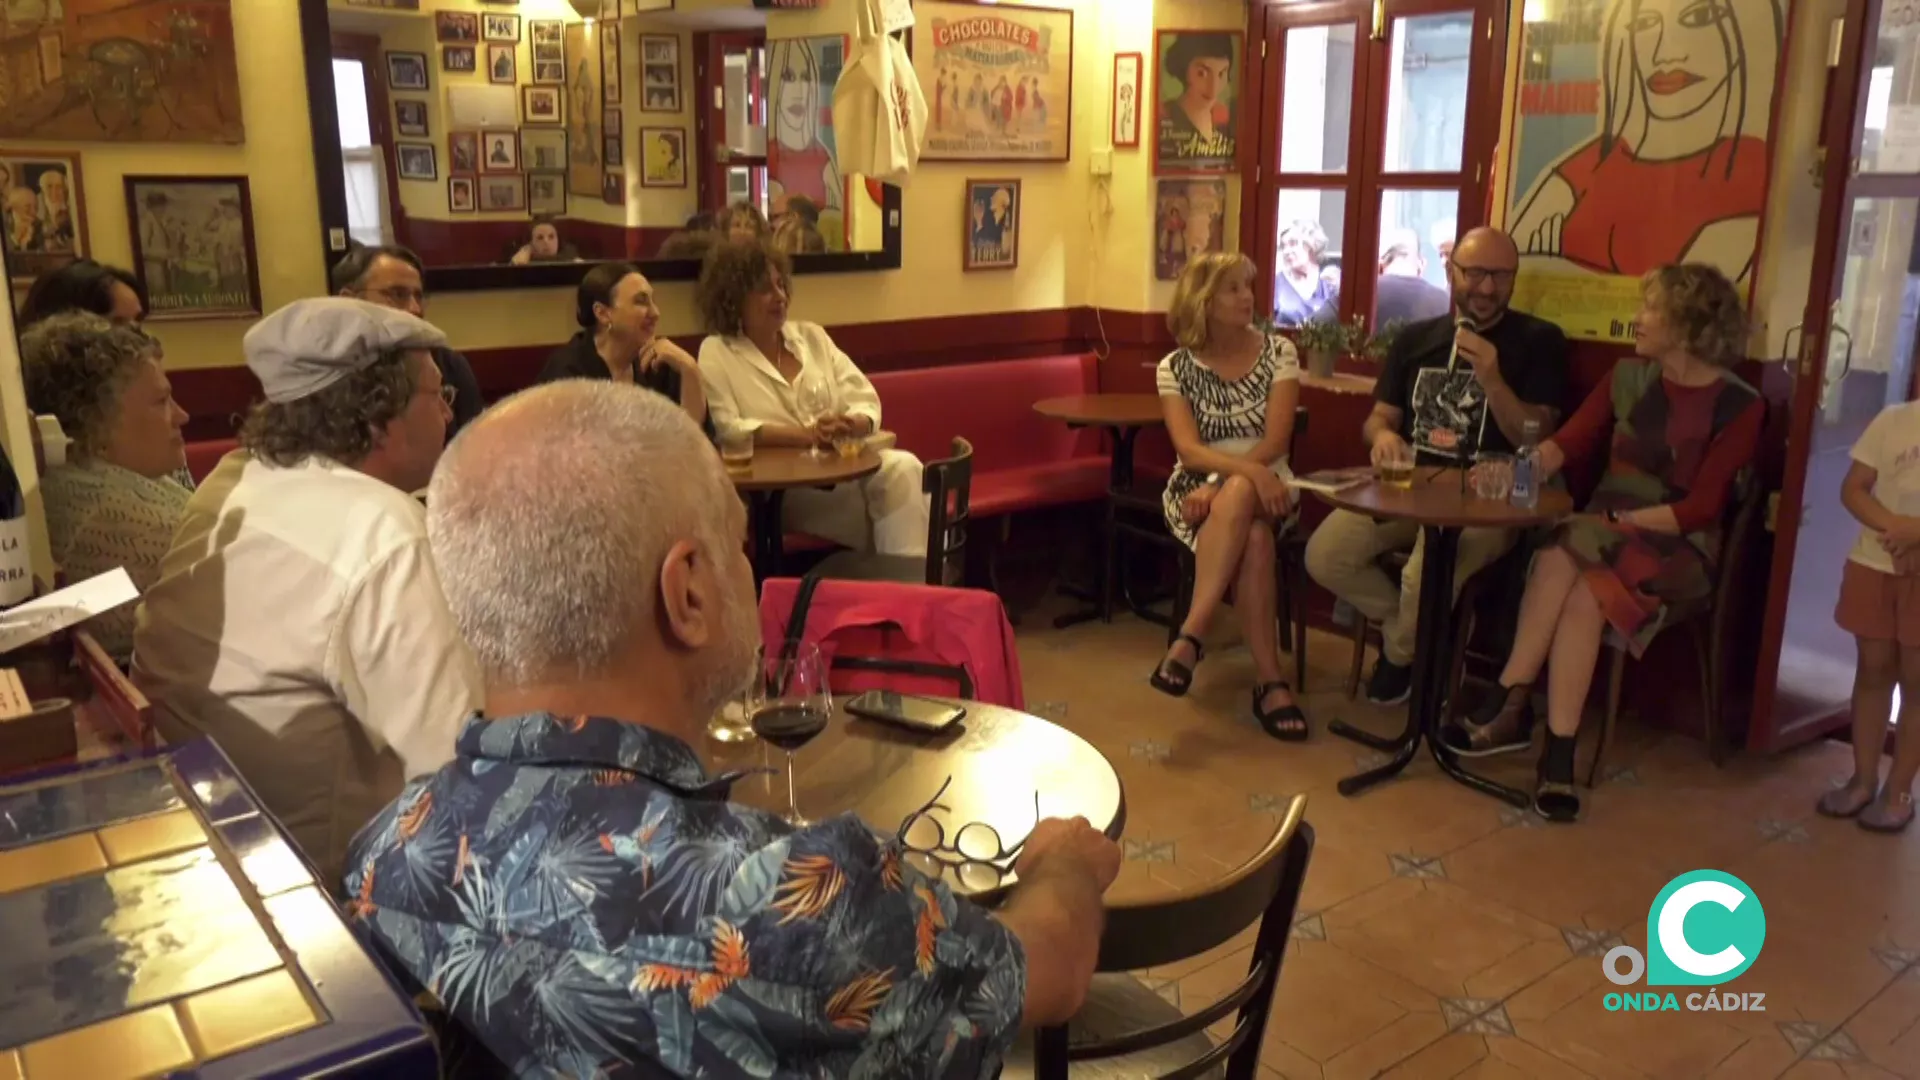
54, 612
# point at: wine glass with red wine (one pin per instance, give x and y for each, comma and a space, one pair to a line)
790, 703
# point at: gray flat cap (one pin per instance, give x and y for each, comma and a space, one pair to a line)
309, 345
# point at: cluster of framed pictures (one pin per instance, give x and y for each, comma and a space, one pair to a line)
193, 246
544, 42
506, 171
659, 74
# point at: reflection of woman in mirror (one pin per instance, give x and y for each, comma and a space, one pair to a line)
544, 245
744, 221
1299, 291
1686, 93
1198, 124
802, 163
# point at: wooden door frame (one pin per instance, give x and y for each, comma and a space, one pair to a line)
710, 48
1839, 123
366, 49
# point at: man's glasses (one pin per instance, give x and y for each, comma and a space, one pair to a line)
448, 394
1478, 275
400, 295
976, 854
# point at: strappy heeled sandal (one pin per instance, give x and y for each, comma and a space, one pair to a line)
1286, 722
1554, 796
1174, 678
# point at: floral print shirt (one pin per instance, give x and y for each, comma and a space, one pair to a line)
582, 898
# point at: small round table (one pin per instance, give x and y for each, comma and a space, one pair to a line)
997, 758
1442, 505
774, 471
1125, 415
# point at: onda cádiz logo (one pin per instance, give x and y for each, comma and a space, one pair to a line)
1704, 929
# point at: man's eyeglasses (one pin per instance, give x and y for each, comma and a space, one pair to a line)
400, 295
1477, 275
448, 394
976, 854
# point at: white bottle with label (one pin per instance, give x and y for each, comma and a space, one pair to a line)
1526, 467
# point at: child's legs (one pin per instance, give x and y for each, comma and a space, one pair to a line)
1906, 754
1878, 669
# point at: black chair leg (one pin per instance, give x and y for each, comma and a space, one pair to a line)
1050, 1053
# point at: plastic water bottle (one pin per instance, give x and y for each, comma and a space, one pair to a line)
1526, 467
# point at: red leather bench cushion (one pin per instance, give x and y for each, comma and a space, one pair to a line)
1021, 460
203, 456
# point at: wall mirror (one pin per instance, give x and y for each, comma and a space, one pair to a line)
510, 144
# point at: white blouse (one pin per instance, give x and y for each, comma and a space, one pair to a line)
746, 390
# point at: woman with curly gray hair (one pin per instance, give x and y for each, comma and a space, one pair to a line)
1675, 428
114, 502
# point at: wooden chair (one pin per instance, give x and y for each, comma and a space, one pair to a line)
1137, 515
113, 691
1154, 931
1706, 622
948, 483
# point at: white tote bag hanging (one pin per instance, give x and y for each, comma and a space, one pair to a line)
879, 113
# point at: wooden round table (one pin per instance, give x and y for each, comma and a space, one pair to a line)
775, 470
1442, 504
997, 759
1124, 415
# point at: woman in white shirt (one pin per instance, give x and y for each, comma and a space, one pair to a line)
1228, 394
755, 364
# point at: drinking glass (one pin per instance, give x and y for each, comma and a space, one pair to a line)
814, 396
736, 452
1493, 477
789, 703
730, 723
1397, 473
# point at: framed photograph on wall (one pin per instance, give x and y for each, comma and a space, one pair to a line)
613, 149
216, 275
549, 72
663, 157
1196, 101
463, 151
543, 149
44, 211
460, 197
993, 225
1189, 218
610, 119
659, 73
502, 65
613, 187
503, 194
410, 118
545, 37
500, 27
500, 152
406, 71
998, 81
456, 26
458, 59
547, 193
541, 105
1127, 82
417, 161
610, 68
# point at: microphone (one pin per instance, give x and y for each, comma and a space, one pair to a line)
1460, 322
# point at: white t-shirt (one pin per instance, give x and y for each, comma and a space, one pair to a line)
1891, 448
745, 389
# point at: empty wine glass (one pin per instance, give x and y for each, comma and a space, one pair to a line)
814, 396
790, 703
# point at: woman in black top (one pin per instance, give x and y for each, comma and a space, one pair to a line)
617, 341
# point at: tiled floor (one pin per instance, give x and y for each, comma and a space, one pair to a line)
1444, 935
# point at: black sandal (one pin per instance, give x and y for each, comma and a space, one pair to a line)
1182, 679
1286, 723
1554, 796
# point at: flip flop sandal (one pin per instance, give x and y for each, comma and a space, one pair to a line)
1174, 678
1556, 801
1286, 722
1889, 815
1843, 802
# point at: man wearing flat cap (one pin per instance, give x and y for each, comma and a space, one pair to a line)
298, 618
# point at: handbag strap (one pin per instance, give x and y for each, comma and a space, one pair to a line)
870, 20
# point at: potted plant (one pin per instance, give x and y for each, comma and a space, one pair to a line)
1377, 346
1325, 341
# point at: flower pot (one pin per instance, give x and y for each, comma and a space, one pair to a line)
1320, 362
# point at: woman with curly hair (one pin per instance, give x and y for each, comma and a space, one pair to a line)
756, 365
1675, 428
114, 502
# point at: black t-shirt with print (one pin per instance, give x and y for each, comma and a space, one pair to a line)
1443, 412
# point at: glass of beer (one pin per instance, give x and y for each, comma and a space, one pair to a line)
736, 452
849, 445
1397, 472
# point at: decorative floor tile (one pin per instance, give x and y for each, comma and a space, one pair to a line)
1417, 866
1838, 1046
1156, 851
1167, 989
1584, 942
1803, 1035
1514, 817
1896, 959
1622, 775
1475, 1016
1309, 928
1052, 710
1372, 759
1150, 750
1267, 804
1784, 831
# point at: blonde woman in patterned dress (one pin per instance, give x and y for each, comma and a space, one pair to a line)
114, 502
1228, 393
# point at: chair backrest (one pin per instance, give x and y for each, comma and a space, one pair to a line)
948, 483
113, 691
1155, 931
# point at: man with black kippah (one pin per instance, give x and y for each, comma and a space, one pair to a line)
298, 619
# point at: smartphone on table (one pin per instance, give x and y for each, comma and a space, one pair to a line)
926, 715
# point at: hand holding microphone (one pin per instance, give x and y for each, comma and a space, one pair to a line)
1480, 353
